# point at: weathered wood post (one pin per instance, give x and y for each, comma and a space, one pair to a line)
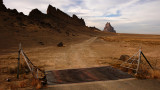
37, 73
19, 51
139, 61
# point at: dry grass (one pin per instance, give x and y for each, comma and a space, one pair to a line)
36, 83
33, 83
134, 39
18, 84
108, 52
155, 74
24, 80
128, 44
143, 73
22, 69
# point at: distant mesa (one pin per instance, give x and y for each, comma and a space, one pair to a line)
109, 28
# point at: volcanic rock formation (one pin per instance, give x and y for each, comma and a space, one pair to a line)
37, 28
81, 21
54, 20
109, 28
35, 13
58, 14
2, 7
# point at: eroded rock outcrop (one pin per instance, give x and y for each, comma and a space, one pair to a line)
55, 19
36, 14
54, 12
2, 6
109, 28
81, 21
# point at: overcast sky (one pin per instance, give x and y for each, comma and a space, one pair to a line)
126, 16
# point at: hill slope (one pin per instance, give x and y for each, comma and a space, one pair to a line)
39, 29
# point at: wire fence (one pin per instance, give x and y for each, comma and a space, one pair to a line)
135, 61
36, 72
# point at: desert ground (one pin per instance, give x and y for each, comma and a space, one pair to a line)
86, 52
88, 59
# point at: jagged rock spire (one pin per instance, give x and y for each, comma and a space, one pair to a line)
109, 28
51, 10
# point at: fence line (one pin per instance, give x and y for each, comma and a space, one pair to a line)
34, 70
138, 61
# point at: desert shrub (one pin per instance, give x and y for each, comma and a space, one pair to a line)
13, 86
155, 74
36, 83
22, 84
146, 73
124, 57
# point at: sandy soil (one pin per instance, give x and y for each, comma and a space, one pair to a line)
86, 53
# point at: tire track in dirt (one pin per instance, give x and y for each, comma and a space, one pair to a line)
77, 56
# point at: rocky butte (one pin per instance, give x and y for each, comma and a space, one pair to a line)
109, 28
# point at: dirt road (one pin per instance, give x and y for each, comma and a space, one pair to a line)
77, 56
81, 56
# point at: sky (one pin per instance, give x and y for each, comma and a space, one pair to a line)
126, 16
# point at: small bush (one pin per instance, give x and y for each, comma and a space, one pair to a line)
36, 83
22, 84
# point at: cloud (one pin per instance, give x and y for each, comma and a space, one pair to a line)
115, 15
126, 16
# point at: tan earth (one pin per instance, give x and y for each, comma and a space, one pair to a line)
96, 52
92, 52
84, 47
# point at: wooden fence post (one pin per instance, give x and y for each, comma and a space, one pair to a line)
139, 61
18, 61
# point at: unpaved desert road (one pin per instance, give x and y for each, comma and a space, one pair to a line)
82, 56
77, 56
